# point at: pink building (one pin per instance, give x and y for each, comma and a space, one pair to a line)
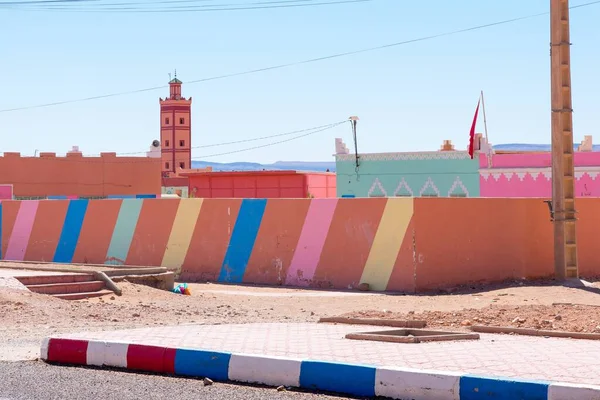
529, 174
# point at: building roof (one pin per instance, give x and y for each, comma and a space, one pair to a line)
532, 148
252, 173
175, 81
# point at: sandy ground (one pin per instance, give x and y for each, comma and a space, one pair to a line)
26, 318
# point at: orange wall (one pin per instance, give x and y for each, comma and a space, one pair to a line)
481, 239
75, 175
394, 244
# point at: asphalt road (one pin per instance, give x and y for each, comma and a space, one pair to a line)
36, 380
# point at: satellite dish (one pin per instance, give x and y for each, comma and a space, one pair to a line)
155, 143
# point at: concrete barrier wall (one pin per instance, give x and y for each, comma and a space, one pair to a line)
401, 244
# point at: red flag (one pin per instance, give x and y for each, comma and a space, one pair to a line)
472, 133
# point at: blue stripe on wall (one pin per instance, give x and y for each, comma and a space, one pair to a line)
123, 232
197, 363
145, 196
357, 380
70, 232
242, 240
57, 197
477, 388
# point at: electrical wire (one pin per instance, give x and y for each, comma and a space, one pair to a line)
100, 7
292, 64
328, 126
269, 144
98, 159
103, 3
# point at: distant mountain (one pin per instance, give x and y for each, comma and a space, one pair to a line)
320, 166
532, 147
317, 166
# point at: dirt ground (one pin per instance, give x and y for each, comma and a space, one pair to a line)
26, 318
570, 318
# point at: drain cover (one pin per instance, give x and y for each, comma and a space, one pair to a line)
412, 336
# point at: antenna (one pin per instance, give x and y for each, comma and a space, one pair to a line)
175, 73
353, 121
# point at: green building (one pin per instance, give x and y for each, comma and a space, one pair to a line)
433, 174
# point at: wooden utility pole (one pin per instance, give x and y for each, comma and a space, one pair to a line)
563, 166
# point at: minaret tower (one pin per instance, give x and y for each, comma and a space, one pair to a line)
175, 130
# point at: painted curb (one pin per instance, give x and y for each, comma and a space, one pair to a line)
351, 379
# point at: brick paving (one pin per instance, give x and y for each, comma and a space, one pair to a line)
562, 360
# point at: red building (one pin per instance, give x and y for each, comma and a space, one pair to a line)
175, 131
261, 184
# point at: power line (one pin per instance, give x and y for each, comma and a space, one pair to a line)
269, 144
177, 9
328, 126
297, 63
52, 3
2, 3
306, 132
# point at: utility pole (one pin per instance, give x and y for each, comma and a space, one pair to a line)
563, 166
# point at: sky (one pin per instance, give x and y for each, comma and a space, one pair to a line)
408, 98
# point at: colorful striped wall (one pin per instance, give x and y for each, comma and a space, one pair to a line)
394, 244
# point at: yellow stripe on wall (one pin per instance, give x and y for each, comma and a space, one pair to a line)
388, 240
181, 233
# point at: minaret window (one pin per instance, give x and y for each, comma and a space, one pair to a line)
182, 165
182, 143
181, 121
167, 121
166, 165
166, 143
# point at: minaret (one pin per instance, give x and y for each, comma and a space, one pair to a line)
175, 130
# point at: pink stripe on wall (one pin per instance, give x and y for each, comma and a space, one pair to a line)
22, 230
6, 192
311, 242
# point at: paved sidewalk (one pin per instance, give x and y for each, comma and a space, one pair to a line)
512, 358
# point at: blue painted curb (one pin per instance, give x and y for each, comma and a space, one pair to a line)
350, 379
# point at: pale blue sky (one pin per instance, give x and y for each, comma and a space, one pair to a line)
408, 98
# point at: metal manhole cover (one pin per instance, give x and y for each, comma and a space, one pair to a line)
412, 336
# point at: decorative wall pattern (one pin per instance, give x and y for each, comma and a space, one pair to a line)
424, 155
402, 244
301, 242
429, 188
535, 182
441, 174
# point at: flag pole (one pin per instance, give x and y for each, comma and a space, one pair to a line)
486, 132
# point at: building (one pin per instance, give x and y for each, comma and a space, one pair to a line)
452, 173
76, 176
444, 173
175, 131
529, 174
261, 184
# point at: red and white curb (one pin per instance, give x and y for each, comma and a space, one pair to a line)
357, 380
